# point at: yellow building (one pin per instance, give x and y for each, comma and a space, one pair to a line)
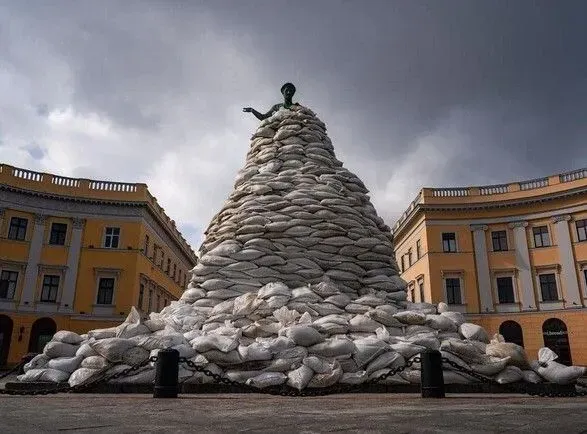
513, 257
76, 254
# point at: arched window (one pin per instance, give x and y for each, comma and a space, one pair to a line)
556, 337
5, 336
512, 332
42, 332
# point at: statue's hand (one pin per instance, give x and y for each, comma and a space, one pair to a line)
247, 109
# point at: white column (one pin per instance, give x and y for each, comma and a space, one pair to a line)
482, 265
570, 284
75, 245
32, 270
527, 297
2, 212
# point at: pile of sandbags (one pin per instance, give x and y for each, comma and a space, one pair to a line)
296, 284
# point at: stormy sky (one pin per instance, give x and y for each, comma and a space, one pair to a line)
414, 93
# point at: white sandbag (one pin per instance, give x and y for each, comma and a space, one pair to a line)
286, 317
56, 349
94, 363
466, 350
326, 288
411, 317
112, 348
386, 360
546, 355
273, 289
558, 373
193, 294
426, 340
82, 375
241, 376
530, 376
358, 377
65, 364
254, 352
224, 307
134, 356
39, 361
362, 323
102, 333
155, 325
304, 335
44, 374
384, 317
300, 377
214, 342
491, 367
455, 359
67, 337
185, 350
339, 300
406, 349
412, 376
440, 322
516, 353
223, 358
267, 379
126, 330
473, 332
275, 345
328, 379
457, 317
318, 365
511, 374
442, 307
367, 349
333, 348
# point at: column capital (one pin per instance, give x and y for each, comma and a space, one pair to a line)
517, 224
78, 223
480, 227
40, 219
561, 218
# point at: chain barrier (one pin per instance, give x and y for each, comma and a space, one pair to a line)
80, 388
523, 388
290, 391
13, 370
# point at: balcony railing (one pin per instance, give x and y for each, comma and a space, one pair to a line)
573, 176
534, 183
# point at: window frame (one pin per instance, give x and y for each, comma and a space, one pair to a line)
444, 249
513, 289
15, 282
460, 287
17, 228
109, 238
49, 286
101, 288
541, 235
51, 241
421, 289
418, 249
556, 287
581, 234
499, 239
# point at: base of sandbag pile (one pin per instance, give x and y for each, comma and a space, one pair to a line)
187, 388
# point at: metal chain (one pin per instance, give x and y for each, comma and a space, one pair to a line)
517, 388
84, 387
13, 370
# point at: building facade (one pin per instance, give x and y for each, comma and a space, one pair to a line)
512, 257
76, 254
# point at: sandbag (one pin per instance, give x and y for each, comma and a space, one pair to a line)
112, 348
214, 342
267, 379
386, 360
94, 363
44, 374
491, 367
318, 365
511, 374
530, 376
254, 352
39, 361
304, 335
134, 356
300, 377
558, 373
65, 364
333, 348
368, 349
358, 377
67, 337
516, 353
328, 379
82, 375
440, 322
411, 317
473, 332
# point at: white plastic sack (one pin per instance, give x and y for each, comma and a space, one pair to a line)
214, 342
112, 348
67, 337
473, 332
516, 353
558, 373
267, 379
56, 349
333, 348
65, 364
39, 361
411, 317
81, 375
45, 374
94, 363
511, 374
328, 379
303, 335
254, 352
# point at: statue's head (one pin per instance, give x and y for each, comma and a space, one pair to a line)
288, 90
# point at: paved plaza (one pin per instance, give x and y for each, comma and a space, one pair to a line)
364, 413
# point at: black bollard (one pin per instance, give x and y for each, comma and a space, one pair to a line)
24, 360
432, 377
166, 372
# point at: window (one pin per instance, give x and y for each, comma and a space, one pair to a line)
105, 290
158, 302
50, 288
421, 289
500, 241
585, 276
174, 271
146, 245
453, 290
548, 287
149, 308
505, 290
409, 257
17, 230
112, 238
8, 280
168, 269
418, 249
581, 230
179, 277
141, 295
165, 302
449, 242
184, 280
541, 236
403, 264
58, 233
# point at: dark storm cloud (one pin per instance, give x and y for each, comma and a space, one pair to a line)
414, 93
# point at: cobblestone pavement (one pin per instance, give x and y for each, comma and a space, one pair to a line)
365, 413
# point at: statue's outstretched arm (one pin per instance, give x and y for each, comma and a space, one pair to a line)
261, 116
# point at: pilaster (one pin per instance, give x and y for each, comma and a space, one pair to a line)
75, 245
568, 275
30, 278
527, 297
482, 266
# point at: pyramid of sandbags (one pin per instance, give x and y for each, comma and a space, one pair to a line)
296, 284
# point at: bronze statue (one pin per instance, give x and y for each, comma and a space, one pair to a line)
287, 90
